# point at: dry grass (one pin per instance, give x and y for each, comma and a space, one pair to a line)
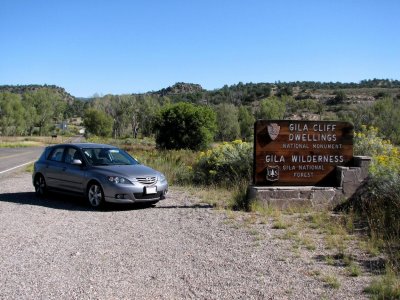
331, 281
385, 287
30, 141
217, 197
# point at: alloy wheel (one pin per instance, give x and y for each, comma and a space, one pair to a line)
95, 195
40, 186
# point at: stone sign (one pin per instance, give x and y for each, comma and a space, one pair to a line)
300, 152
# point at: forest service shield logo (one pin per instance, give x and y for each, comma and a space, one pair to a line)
273, 130
272, 173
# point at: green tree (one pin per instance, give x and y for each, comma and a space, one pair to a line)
118, 109
12, 119
149, 108
133, 114
98, 122
185, 126
129, 112
272, 108
75, 109
227, 121
246, 123
48, 106
30, 117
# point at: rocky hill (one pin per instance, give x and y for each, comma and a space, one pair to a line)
181, 88
21, 89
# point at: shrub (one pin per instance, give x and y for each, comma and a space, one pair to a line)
385, 156
383, 204
379, 200
340, 97
185, 126
175, 164
380, 204
228, 163
368, 142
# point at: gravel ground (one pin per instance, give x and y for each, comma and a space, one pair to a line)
57, 248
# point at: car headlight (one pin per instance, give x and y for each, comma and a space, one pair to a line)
118, 180
162, 177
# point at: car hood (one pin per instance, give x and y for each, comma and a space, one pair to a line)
129, 172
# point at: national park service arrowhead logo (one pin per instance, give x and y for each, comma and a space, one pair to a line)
273, 130
272, 173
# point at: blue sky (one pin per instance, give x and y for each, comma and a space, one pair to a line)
123, 46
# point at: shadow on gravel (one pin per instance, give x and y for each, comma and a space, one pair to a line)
185, 206
51, 201
65, 202
374, 265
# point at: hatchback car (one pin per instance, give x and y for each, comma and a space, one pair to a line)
102, 173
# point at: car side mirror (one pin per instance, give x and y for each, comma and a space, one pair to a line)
77, 162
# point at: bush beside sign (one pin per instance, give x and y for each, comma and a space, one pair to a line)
300, 152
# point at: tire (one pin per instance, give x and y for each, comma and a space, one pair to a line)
95, 195
40, 186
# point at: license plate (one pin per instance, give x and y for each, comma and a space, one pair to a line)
150, 190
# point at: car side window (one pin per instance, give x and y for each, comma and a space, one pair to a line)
90, 156
69, 155
56, 154
72, 154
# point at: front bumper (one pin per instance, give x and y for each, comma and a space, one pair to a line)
124, 193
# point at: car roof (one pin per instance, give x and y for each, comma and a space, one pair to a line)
86, 145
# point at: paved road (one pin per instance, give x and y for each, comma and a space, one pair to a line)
12, 159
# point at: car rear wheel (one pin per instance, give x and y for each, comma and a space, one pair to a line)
95, 195
40, 186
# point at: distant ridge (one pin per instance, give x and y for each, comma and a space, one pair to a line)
254, 90
21, 89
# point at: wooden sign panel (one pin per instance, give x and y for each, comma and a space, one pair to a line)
300, 152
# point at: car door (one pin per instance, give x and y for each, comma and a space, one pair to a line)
54, 167
73, 175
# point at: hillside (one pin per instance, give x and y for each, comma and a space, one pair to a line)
248, 93
22, 89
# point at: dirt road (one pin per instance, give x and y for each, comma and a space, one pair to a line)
58, 248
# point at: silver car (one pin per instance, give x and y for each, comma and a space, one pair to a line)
102, 173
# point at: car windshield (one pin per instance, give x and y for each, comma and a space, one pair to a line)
108, 157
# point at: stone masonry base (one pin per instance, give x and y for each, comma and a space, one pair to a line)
284, 197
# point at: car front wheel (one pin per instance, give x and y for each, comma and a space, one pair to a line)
40, 186
95, 195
